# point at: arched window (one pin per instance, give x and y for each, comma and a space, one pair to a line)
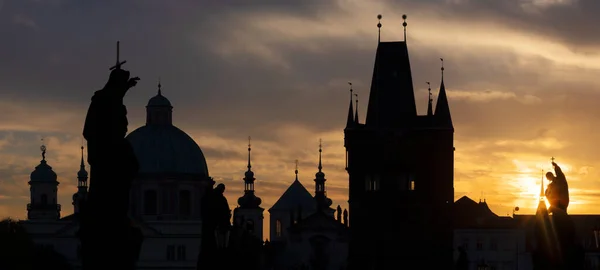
44, 199
150, 202
185, 203
278, 228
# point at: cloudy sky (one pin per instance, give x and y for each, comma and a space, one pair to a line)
520, 76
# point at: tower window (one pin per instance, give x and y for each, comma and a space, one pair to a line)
181, 253
185, 203
150, 202
278, 228
411, 185
44, 199
372, 182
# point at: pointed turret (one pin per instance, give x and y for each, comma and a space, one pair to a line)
442, 108
82, 186
249, 200
323, 203
356, 110
429, 100
350, 119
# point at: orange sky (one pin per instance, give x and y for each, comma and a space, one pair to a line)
519, 93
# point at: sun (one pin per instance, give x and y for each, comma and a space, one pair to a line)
528, 191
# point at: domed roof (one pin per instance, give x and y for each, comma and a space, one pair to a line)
167, 149
159, 101
249, 200
43, 173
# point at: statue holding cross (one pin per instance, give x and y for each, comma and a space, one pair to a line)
104, 216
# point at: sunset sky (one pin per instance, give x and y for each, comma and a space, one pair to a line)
521, 76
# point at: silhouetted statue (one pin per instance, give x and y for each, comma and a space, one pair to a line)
557, 245
216, 217
339, 213
346, 217
105, 224
557, 192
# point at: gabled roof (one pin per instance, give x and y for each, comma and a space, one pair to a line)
295, 196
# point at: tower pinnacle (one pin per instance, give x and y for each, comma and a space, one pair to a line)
404, 24
379, 28
43, 149
296, 171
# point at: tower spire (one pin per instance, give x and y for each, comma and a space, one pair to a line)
442, 108
249, 150
542, 194
429, 100
350, 120
379, 28
356, 109
404, 24
320, 155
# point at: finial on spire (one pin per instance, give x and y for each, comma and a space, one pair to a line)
429, 89
351, 91
296, 171
320, 151
159, 86
119, 63
552, 159
442, 59
404, 24
43, 149
249, 150
379, 28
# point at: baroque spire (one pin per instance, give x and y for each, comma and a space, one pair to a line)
249, 200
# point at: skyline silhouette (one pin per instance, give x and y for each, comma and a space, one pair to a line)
221, 94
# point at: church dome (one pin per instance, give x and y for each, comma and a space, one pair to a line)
161, 147
167, 149
249, 200
43, 173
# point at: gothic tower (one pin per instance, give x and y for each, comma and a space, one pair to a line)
401, 172
82, 186
249, 214
43, 188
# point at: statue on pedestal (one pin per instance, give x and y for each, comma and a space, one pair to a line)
108, 239
216, 227
557, 245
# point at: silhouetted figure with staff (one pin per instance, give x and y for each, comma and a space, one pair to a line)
108, 239
557, 192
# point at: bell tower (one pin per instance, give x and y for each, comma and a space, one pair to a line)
82, 186
249, 214
43, 187
399, 164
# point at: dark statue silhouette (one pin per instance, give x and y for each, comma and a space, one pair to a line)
557, 247
108, 239
557, 192
216, 226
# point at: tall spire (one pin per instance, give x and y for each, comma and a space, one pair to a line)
350, 121
249, 200
82, 175
429, 100
442, 108
323, 202
356, 110
404, 24
379, 28
542, 193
